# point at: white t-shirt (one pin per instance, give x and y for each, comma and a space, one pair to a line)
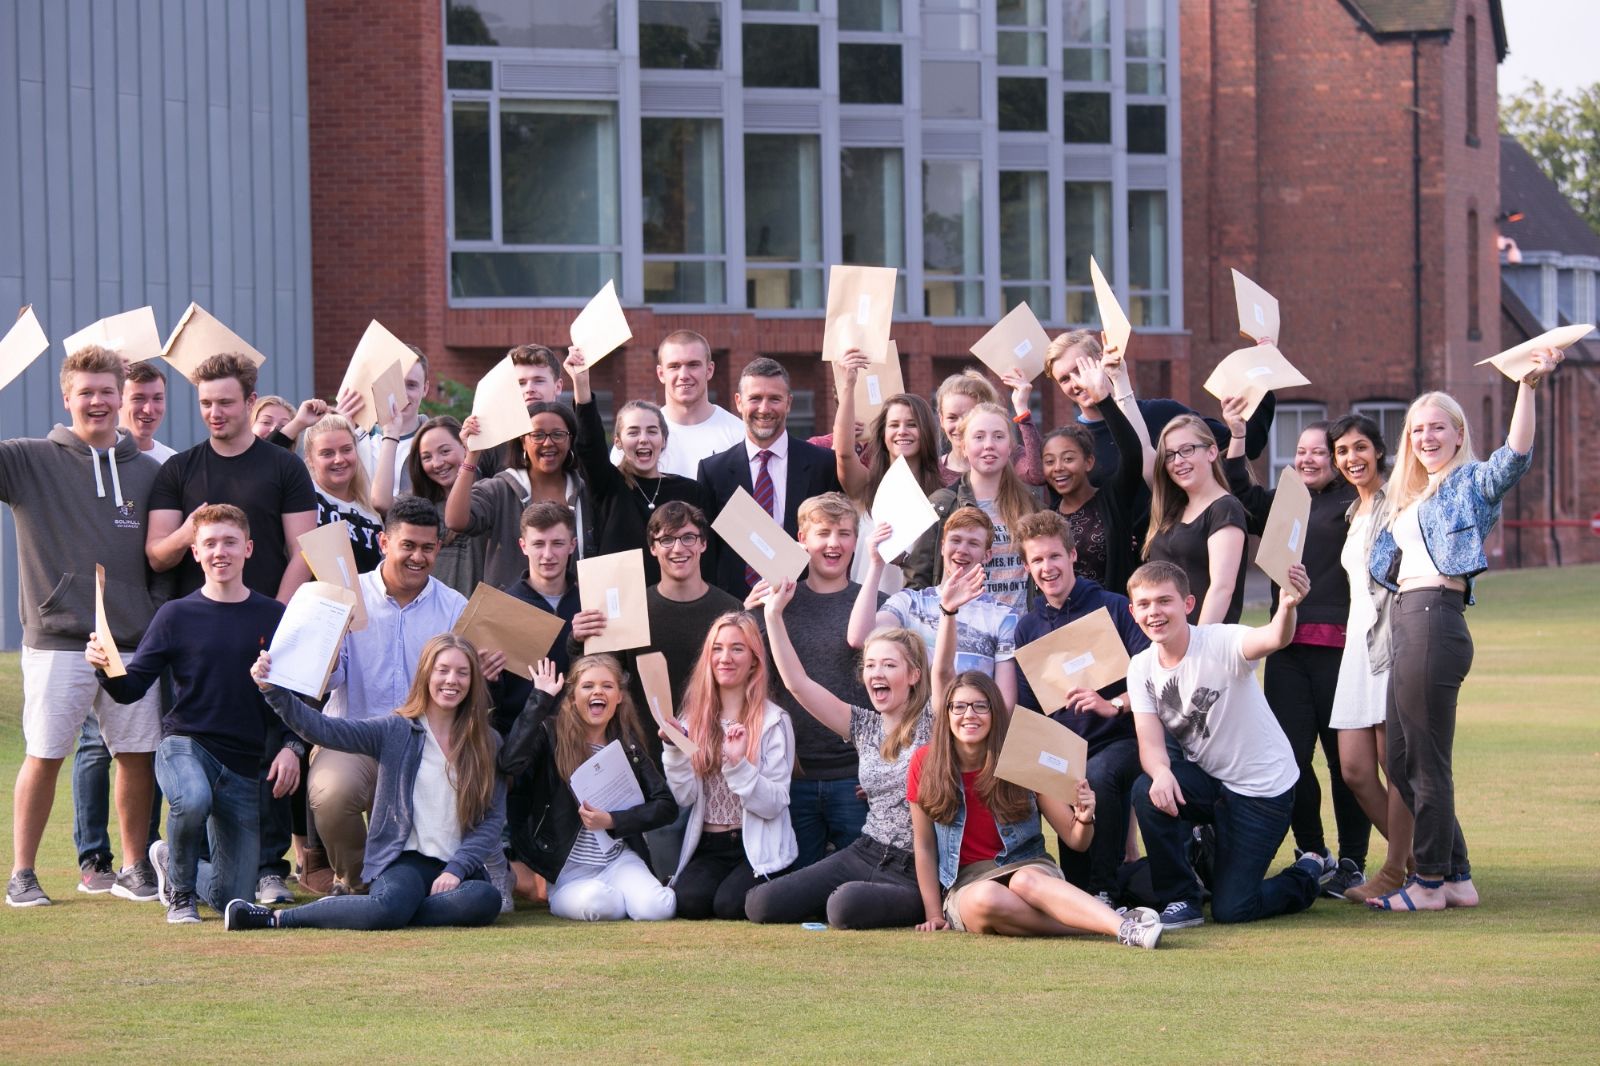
687, 445
161, 452
1212, 706
435, 830
368, 449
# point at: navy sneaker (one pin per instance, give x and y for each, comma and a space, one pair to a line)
242, 914
1181, 914
1347, 876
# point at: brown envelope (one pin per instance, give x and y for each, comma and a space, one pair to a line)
614, 585
757, 538
1251, 373
874, 385
1283, 538
500, 622
1515, 363
860, 307
132, 335
652, 670
23, 343
1017, 342
389, 392
197, 337
1258, 310
601, 328
1042, 755
1112, 320
376, 350
502, 415
327, 552
102, 628
1086, 653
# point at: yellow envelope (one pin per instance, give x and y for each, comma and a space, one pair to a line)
652, 670
502, 415
874, 385
132, 335
389, 392
860, 308
1251, 373
1258, 310
23, 343
614, 585
1515, 363
197, 337
1042, 755
328, 553
376, 350
1017, 342
1085, 653
500, 622
901, 503
758, 539
1283, 538
601, 328
1117, 328
102, 628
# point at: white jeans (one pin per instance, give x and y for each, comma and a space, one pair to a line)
623, 888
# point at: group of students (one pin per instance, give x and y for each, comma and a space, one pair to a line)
845, 728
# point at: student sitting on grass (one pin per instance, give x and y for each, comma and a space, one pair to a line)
978, 840
439, 807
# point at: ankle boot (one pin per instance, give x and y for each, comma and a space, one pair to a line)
1386, 880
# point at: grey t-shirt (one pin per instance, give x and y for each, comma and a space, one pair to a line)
884, 782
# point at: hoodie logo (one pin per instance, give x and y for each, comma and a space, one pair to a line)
125, 509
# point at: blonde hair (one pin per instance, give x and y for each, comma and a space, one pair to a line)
834, 507
263, 402
1066, 343
1409, 483
360, 485
898, 737
1013, 500
1167, 500
969, 383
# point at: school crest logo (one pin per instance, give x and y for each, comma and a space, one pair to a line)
125, 509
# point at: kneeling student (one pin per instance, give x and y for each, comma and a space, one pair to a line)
1238, 772
438, 809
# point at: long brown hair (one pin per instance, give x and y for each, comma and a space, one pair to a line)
1167, 500
939, 791
572, 737
1013, 499
421, 483
702, 700
924, 464
471, 754
915, 649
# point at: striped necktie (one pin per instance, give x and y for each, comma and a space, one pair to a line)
764, 497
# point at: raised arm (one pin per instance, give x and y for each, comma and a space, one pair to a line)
364, 737
1029, 463
864, 615
591, 444
852, 472
528, 738
1261, 641
1519, 435
458, 504
1115, 367
960, 588
818, 702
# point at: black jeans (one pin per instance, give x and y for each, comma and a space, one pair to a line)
716, 878
1111, 771
1299, 684
867, 885
1432, 654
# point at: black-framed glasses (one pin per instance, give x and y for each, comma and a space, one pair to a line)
556, 436
960, 708
672, 540
1185, 451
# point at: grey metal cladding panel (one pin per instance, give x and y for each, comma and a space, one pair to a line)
867, 130
680, 97
783, 115
1028, 155
952, 144
558, 77
1086, 167
1147, 173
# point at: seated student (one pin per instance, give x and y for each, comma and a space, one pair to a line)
872, 883
1237, 771
736, 787
985, 626
978, 841
549, 539
960, 393
1100, 718
595, 861
440, 807
213, 738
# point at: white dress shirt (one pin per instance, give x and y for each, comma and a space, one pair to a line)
777, 470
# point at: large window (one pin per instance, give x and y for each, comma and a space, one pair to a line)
1020, 39
1148, 284
783, 221
872, 206
1088, 233
952, 238
683, 242
1025, 240
680, 34
532, 23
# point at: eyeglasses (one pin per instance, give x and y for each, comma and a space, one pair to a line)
688, 540
960, 708
1184, 451
557, 436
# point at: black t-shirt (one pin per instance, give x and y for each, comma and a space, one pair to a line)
264, 481
364, 528
1185, 545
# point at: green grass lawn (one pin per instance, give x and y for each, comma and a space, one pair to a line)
1516, 979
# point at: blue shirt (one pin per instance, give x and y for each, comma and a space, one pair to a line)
377, 664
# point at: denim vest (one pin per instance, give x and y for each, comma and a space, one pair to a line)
1019, 841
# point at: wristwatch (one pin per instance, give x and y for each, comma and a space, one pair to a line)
1119, 703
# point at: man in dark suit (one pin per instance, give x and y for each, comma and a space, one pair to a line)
777, 468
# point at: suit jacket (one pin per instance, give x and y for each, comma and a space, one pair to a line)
811, 472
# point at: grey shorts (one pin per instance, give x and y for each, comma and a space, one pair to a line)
59, 691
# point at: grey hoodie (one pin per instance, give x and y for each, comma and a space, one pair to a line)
76, 506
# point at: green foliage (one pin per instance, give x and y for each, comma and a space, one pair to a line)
456, 400
1562, 132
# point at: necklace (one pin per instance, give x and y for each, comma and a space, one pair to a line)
650, 500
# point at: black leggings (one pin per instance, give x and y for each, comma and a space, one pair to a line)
868, 885
715, 880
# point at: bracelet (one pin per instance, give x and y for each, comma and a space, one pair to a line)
1083, 821
469, 466
1235, 436
1532, 382
948, 614
1124, 398
1023, 418
395, 439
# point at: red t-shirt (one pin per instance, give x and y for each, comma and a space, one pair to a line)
980, 836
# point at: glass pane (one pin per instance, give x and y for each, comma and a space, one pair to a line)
869, 73
1024, 226
1082, 310
532, 23
1147, 254
1037, 297
802, 6
778, 56
558, 172
531, 274
1022, 104
880, 15
949, 31
783, 199
951, 90
1087, 232
684, 283
1087, 21
469, 137
1147, 129
792, 290
952, 299
1147, 30
682, 167
678, 36
1086, 118
1086, 64
1148, 309
1147, 79
952, 225
872, 206
1021, 49
470, 74
1028, 13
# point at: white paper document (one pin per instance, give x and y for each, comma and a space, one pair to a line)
307, 640
902, 504
606, 783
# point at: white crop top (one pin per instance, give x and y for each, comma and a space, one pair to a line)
1415, 562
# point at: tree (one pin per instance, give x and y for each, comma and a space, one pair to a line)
1562, 132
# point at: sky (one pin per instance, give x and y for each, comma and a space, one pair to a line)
1556, 42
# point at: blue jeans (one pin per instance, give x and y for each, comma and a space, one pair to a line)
398, 898
823, 813
207, 803
1249, 830
1111, 771
91, 797
277, 825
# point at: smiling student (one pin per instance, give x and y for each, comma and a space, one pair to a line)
343, 490
548, 541
959, 394
696, 428
435, 460
384, 454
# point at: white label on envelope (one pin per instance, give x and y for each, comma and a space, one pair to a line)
1294, 536
613, 603
344, 574
1082, 662
655, 704
1258, 372
864, 310
763, 547
1054, 762
1261, 316
874, 391
1021, 350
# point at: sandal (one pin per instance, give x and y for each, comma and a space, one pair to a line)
1387, 903
1388, 879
